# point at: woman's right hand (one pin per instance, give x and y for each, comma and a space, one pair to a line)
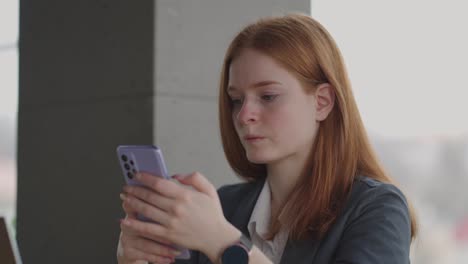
133, 248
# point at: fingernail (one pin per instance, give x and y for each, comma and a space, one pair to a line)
123, 196
179, 176
176, 252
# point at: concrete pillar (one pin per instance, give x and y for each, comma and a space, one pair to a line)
191, 39
86, 85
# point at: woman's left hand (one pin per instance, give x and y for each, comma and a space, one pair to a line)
191, 218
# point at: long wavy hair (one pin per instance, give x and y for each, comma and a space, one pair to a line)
341, 149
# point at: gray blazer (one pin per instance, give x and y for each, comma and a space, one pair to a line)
374, 226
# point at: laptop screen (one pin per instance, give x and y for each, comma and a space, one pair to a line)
8, 248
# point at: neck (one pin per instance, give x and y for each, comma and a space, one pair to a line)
283, 176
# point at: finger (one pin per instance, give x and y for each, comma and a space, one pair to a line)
130, 232
155, 248
163, 186
130, 212
133, 254
150, 197
199, 182
145, 209
151, 231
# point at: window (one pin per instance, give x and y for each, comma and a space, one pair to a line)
407, 63
8, 105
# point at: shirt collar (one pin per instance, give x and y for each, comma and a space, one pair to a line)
260, 219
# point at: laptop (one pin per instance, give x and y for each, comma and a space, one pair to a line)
8, 248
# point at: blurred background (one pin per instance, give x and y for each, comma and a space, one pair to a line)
158, 63
9, 29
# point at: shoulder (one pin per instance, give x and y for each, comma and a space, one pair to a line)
368, 184
232, 192
244, 193
375, 224
372, 199
367, 191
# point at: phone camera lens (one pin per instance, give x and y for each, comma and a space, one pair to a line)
127, 167
130, 175
131, 162
124, 158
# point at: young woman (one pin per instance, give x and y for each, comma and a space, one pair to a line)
314, 192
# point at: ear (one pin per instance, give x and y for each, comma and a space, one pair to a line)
325, 100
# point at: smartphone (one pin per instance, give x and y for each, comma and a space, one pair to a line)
149, 159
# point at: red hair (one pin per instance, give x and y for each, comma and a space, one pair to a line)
341, 149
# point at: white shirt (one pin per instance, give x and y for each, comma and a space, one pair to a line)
258, 227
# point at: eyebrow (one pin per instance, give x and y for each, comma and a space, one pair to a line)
255, 85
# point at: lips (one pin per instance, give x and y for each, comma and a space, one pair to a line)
252, 137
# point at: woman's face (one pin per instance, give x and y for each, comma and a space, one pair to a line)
273, 115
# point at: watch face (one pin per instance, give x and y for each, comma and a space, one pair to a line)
235, 255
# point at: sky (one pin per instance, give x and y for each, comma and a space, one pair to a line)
406, 61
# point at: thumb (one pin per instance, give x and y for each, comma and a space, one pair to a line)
197, 181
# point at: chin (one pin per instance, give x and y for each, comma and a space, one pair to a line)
259, 158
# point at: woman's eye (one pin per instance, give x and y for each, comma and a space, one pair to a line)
236, 101
269, 97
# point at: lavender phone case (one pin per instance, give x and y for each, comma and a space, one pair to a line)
144, 158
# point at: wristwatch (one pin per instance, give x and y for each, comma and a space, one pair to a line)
237, 253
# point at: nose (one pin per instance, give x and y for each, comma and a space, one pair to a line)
248, 113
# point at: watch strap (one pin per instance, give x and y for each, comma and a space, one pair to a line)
245, 242
238, 252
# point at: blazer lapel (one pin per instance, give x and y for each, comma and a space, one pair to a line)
299, 252
241, 216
